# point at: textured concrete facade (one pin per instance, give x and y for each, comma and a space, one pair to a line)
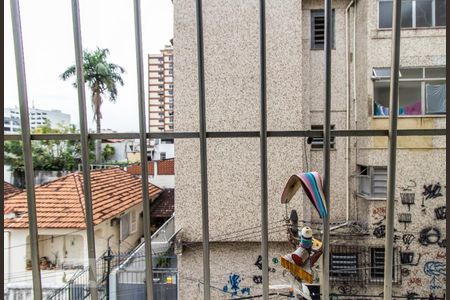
295, 97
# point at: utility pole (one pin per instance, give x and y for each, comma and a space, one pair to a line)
108, 257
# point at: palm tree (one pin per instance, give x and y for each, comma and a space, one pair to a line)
102, 77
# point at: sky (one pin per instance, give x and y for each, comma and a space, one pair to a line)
49, 50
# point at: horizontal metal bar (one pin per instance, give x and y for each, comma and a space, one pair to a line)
231, 134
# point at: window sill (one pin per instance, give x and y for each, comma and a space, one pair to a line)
412, 116
321, 149
370, 198
413, 28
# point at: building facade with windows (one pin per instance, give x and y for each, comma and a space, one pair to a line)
295, 101
38, 117
160, 90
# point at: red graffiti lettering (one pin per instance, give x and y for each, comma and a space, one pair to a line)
415, 281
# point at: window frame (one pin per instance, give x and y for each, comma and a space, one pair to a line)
396, 267
317, 13
423, 80
370, 177
413, 25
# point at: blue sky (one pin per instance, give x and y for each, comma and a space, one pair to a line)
48, 47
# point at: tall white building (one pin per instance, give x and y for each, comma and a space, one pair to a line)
160, 90
37, 118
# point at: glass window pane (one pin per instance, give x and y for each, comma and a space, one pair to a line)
411, 73
410, 102
435, 97
382, 72
406, 18
385, 14
435, 73
381, 98
423, 13
440, 12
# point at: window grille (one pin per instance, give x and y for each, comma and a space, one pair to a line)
201, 135
317, 142
347, 263
318, 29
377, 266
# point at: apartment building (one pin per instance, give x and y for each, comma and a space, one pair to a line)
37, 117
295, 101
160, 90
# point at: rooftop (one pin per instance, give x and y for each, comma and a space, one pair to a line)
60, 203
9, 189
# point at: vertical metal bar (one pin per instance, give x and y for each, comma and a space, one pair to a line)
203, 151
84, 150
326, 153
27, 149
392, 148
143, 149
263, 150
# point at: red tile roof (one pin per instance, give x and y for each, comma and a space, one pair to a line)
165, 167
164, 206
60, 203
9, 189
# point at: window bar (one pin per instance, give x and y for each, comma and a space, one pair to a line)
203, 151
325, 282
84, 150
143, 149
263, 150
26, 144
392, 148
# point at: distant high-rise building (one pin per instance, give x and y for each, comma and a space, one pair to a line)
38, 117
160, 90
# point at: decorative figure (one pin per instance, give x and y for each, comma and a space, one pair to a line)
300, 262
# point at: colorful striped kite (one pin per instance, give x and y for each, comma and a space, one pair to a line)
312, 183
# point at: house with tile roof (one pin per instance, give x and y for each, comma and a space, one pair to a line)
9, 189
118, 219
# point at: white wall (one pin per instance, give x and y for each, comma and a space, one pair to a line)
169, 149
163, 181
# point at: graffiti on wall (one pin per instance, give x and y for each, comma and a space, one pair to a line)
432, 191
440, 255
435, 270
440, 212
415, 281
258, 263
408, 199
443, 243
379, 212
407, 239
233, 285
429, 236
411, 184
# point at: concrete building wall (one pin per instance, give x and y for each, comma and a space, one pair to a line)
295, 98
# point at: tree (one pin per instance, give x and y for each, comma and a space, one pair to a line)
108, 152
49, 155
102, 78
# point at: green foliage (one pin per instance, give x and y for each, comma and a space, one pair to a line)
102, 77
108, 152
49, 155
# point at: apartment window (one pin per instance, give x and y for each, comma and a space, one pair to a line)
377, 266
422, 91
318, 29
170, 126
160, 86
344, 265
161, 121
124, 226
372, 182
317, 142
415, 13
162, 156
161, 114
133, 222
